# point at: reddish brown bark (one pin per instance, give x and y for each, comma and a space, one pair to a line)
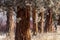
48, 26
23, 26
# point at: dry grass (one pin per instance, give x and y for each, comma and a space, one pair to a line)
46, 36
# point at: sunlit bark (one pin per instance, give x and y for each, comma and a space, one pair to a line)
35, 24
42, 22
10, 22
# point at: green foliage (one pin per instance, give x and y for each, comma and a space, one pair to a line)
54, 16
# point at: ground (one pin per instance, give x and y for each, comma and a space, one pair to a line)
40, 36
47, 36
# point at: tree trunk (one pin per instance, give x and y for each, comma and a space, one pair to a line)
23, 25
48, 26
35, 24
10, 23
42, 22
50, 22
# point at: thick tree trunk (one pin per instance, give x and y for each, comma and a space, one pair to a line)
35, 24
48, 26
23, 25
10, 23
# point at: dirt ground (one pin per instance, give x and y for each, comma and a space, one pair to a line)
47, 36
39, 36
